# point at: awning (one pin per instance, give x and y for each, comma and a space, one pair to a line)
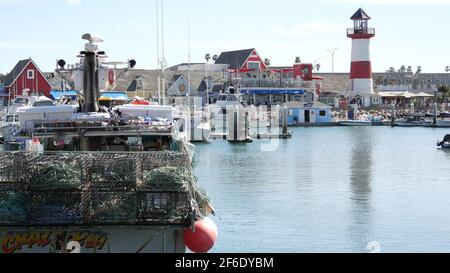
114, 96
422, 95
57, 94
277, 91
395, 94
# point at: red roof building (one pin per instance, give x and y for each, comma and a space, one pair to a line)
26, 79
242, 60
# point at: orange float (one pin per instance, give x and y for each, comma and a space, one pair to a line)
203, 238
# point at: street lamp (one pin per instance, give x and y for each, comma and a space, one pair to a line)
207, 58
332, 52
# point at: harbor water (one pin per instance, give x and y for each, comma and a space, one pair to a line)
332, 189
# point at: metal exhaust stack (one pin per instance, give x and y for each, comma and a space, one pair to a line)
91, 69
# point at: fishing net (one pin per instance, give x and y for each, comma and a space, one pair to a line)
177, 179
112, 207
13, 208
58, 176
56, 207
114, 172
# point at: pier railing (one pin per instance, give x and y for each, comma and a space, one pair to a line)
91, 189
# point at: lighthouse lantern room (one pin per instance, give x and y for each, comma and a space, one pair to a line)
361, 83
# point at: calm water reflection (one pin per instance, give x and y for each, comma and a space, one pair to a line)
360, 186
331, 190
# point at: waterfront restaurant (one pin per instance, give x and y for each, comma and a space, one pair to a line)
404, 99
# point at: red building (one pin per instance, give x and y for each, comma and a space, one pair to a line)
242, 60
26, 79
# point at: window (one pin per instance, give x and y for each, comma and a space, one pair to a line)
22, 101
30, 74
43, 103
253, 65
323, 113
231, 98
139, 84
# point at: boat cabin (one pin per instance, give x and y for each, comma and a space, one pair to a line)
310, 114
301, 104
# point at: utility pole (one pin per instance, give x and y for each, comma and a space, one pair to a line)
332, 52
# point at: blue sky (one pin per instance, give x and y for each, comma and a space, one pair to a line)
409, 32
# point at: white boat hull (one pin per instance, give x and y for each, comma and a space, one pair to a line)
410, 124
354, 123
443, 123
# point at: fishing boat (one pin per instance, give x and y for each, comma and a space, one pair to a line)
102, 181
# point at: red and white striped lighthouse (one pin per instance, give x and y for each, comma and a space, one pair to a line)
361, 82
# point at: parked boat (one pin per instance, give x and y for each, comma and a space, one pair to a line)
443, 123
229, 98
411, 120
355, 123
405, 122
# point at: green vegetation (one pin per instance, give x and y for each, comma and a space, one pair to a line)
444, 91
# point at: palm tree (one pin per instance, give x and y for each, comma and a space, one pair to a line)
207, 57
447, 68
444, 89
419, 69
403, 69
298, 60
215, 57
267, 62
409, 69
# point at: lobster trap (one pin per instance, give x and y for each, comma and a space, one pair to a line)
88, 188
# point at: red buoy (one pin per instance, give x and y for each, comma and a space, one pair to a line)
204, 237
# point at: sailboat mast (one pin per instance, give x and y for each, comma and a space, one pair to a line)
157, 51
163, 55
189, 62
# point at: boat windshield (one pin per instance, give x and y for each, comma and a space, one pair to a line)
223, 97
43, 103
22, 101
232, 98
12, 118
